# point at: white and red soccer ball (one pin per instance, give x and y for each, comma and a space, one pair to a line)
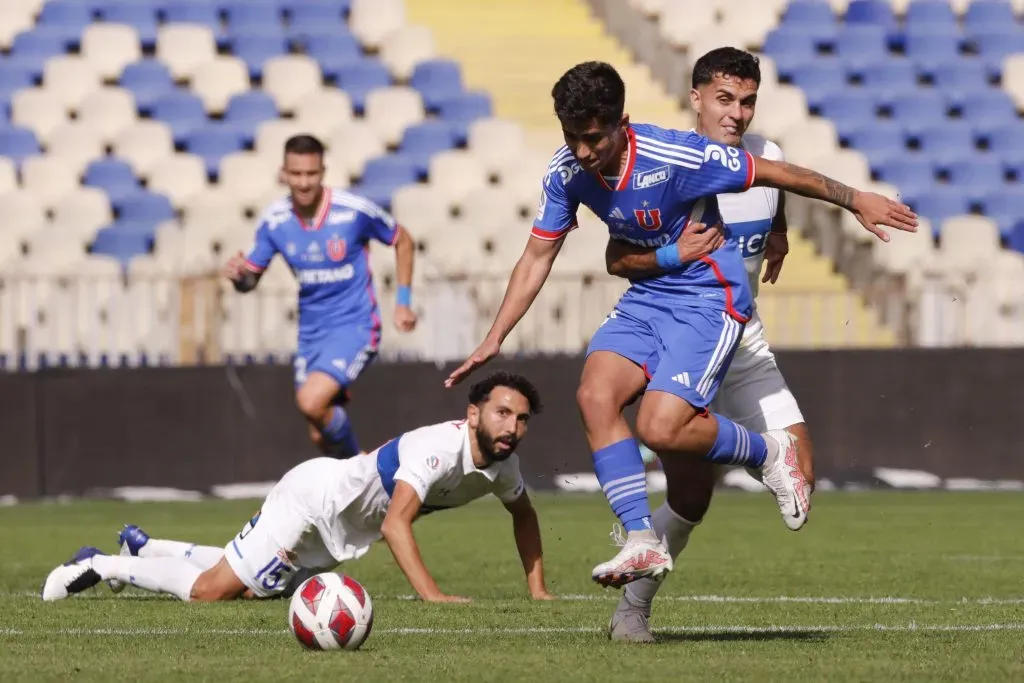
331, 611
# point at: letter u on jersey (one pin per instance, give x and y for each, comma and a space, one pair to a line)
649, 219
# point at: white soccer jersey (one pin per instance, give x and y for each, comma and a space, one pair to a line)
749, 214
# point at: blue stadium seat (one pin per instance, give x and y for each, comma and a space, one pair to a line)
358, 78
890, 79
436, 80
389, 168
939, 204
141, 16
930, 13
317, 10
1006, 138
252, 107
113, 176
146, 206
182, 111
67, 18
18, 143
13, 77
256, 47
424, 140
809, 12
31, 49
982, 15
213, 142
200, 12
333, 52
977, 177
947, 142
860, 45
878, 139
989, 108
993, 47
462, 110
123, 241
148, 80
967, 74
912, 174
1004, 207
1015, 240
850, 109
252, 15
877, 12
919, 109
820, 79
789, 49
931, 45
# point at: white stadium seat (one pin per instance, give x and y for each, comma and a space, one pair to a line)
291, 78
39, 110
391, 110
76, 144
49, 179
144, 144
405, 47
8, 176
184, 48
352, 144
180, 177
108, 111
455, 174
372, 20
216, 81
109, 48
70, 79
87, 206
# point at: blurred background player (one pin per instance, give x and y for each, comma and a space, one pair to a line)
325, 511
725, 82
646, 183
324, 236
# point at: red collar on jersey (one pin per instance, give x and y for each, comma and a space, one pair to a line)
321, 213
627, 173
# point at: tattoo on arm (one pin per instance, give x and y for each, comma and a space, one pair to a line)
827, 188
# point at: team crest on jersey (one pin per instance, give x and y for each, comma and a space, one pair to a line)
336, 248
433, 462
645, 179
649, 219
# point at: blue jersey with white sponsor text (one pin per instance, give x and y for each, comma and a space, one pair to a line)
671, 177
329, 258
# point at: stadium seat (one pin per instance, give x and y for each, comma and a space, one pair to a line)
146, 206
877, 12
185, 47
75, 144
250, 178
932, 45
911, 174
31, 49
947, 142
109, 48
938, 204
462, 110
994, 47
254, 48
850, 109
890, 79
17, 144
217, 81
23, 212
988, 109
383, 175
67, 18
108, 111
114, 176
391, 110
878, 140
212, 143
352, 145
289, 78
322, 111
39, 110
372, 20
201, 13
404, 48
88, 208
333, 52
808, 12
789, 49
251, 15
985, 14
46, 178
122, 244
930, 13
423, 140
361, 77
821, 80
455, 174
9, 174
496, 142
13, 77
317, 11
182, 111
144, 144
148, 80
1016, 238
977, 177
436, 80
968, 243
919, 109
246, 111
12, 22
70, 79
179, 177
141, 18
1003, 206
861, 45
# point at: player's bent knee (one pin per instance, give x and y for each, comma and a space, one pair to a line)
597, 403
661, 426
311, 405
217, 584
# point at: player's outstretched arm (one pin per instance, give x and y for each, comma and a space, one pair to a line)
405, 250
238, 271
636, 263
871, 209
526, 528
397, 531
528, 276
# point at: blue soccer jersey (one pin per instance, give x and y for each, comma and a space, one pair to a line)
330, 260
671, 177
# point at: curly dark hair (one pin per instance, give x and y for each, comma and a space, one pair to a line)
481, 391
725, 61
589, 91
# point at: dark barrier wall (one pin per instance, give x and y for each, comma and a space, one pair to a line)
954, 413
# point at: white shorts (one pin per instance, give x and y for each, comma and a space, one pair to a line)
286, 536
754, 393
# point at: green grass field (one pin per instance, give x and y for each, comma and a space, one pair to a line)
879, 586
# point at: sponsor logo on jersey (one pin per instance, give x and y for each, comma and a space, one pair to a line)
727, 156
656, 176
336, 248
752, 245
313, 253
323, 276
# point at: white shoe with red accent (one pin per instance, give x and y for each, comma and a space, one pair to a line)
642, 556
782, 475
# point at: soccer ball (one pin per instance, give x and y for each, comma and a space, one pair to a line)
331, 611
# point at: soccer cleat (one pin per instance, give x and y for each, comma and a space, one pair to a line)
782, 475
72, 577
130, 539
630, 624
642, 555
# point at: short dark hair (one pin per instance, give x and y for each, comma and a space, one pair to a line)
725, 61
481, 391
589, 91
303, 144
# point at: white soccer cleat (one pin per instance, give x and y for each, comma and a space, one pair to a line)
642, 556
782, 475
72, 577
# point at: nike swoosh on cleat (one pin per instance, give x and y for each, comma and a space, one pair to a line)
796, 509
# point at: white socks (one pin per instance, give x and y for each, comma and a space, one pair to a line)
173, 576
676, 533
202, 556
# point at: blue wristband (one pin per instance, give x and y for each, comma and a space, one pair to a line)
404, 297
668, 257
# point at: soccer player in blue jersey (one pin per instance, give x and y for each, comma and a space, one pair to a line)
324, 236
647, 183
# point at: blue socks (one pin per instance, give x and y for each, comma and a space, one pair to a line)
620, 470
339, 434
736, 445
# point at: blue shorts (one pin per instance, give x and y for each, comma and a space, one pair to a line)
343, 355
685, 350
